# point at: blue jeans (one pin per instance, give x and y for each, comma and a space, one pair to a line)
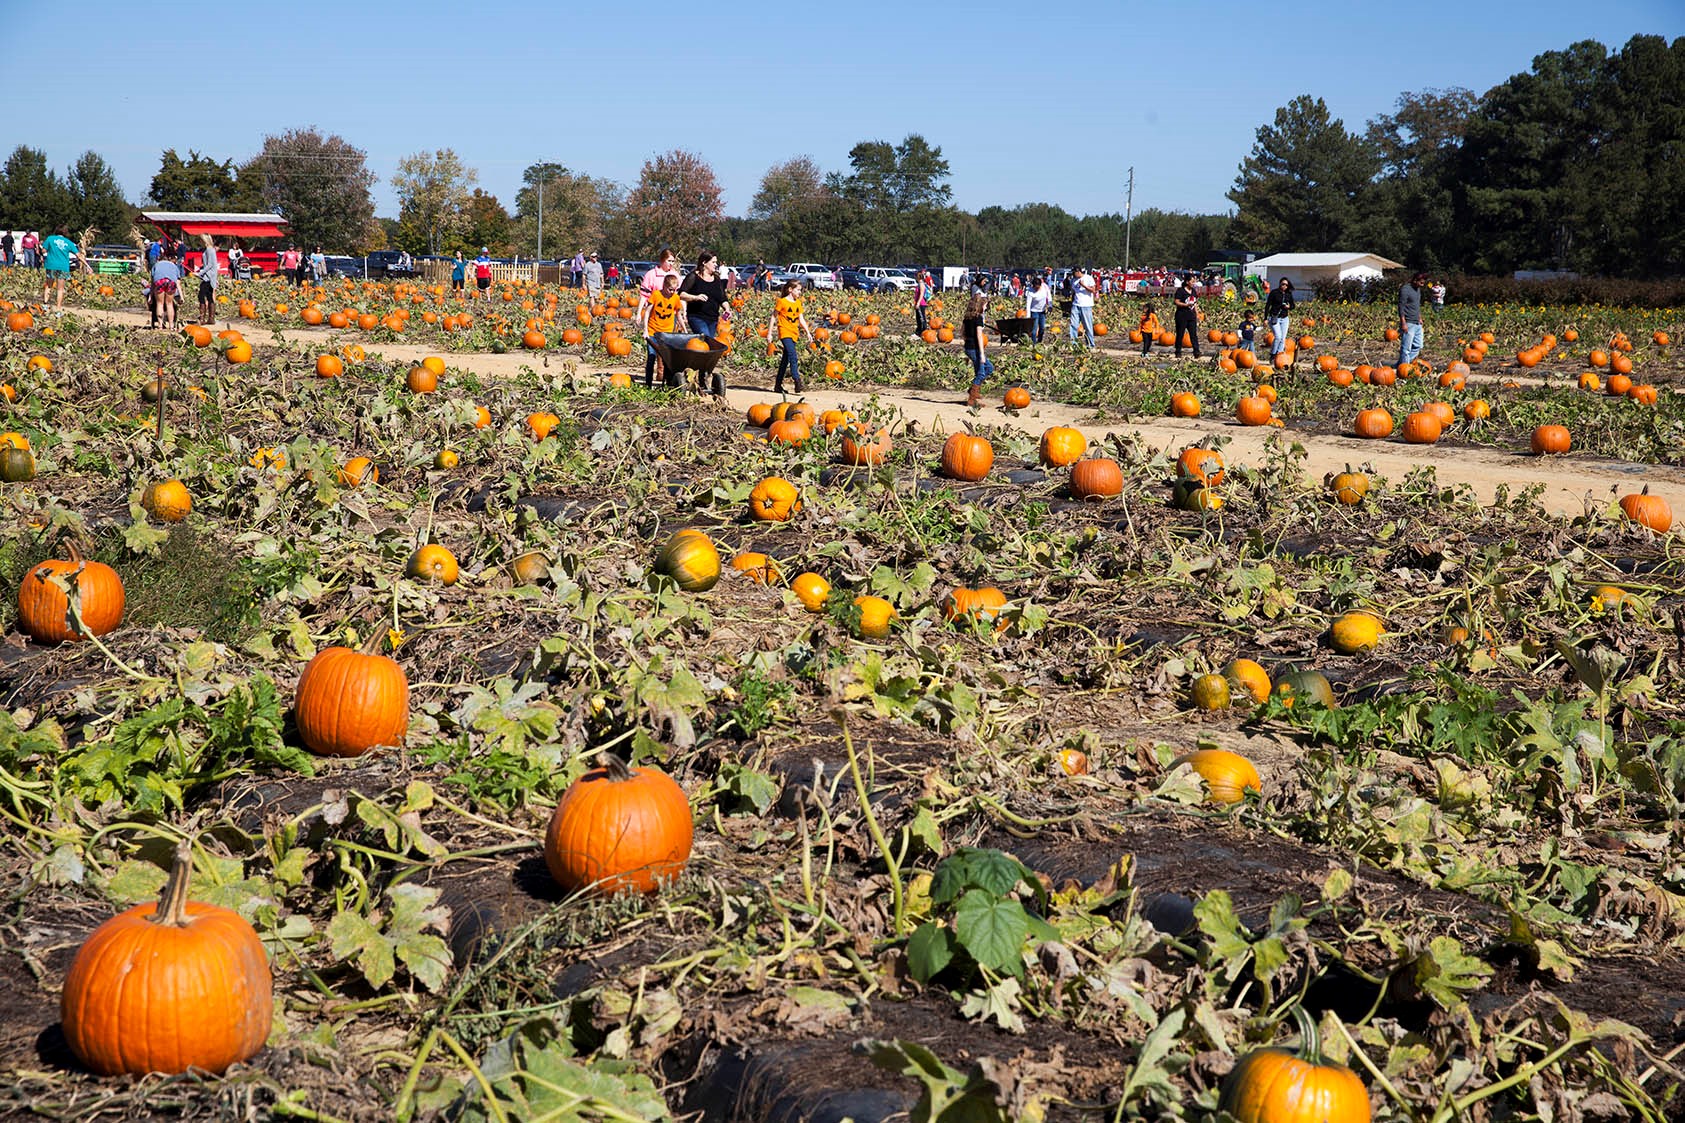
787, 359
700, 326
1409, 343
1278, 335
1084, 316
1038, 324
981, 367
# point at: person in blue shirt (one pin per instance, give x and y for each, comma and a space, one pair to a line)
1248, 330
459, 273
166, 286
58, 248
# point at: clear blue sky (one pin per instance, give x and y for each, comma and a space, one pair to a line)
1029, 102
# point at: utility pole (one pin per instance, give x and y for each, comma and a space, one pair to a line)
1128, 222
540, 218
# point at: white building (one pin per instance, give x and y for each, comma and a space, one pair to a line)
1306, 269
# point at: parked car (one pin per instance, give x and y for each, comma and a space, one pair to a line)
855, 280
813, 275
390, 263
632, 272
345, 267
885, 279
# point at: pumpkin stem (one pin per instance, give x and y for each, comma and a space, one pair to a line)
172, 903
1310, 1044
617, 769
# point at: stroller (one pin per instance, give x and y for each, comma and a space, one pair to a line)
241, 268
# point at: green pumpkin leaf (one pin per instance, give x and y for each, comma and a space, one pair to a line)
930, 949
993, 930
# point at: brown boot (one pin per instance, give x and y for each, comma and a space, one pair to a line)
973, 396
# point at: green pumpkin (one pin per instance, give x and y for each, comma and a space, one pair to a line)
17, 465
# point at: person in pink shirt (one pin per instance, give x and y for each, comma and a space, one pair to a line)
666, 265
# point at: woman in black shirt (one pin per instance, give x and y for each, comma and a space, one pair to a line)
703, 296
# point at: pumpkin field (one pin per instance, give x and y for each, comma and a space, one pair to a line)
483, 736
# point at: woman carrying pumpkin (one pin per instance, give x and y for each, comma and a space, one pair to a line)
658, 319
977, 340
787, 323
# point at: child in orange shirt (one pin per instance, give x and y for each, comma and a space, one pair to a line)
660, 316
1148, 328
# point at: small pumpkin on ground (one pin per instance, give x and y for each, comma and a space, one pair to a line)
1096, 479
968, 458
875, 616
691, 560
433, 563
348, 702
1275, 1085
44, 607
167, 501
774, 499
1227, 775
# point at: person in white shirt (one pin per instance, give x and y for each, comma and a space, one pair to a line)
1082, 306
1038, 298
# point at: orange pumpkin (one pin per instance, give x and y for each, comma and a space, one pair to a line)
1551, 440
1253, 410
1648, 510
44, 607
1185, 404
858, 450
168, 986
619, 828
348, 702
1096, 479
1373, 424
774, 499
966, 457
1201, 465
1422, 428
1275, 1085
1017, 397
978, 604
1062, 445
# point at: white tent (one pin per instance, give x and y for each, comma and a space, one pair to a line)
1306, 269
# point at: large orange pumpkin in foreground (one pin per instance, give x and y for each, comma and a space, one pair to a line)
348, 702
167, 987
618, 827
44, 608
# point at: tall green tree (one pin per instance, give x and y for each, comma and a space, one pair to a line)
96, 200
577, 211
1302, 186
432, 189
895, 178
488, 225
1410, 213
32, 196
200, 183
321, 185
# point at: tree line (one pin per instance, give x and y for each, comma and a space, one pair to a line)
1576, 164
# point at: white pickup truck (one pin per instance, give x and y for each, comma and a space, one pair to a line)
813, 276
888, 280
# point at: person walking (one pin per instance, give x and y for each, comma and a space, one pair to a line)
593, 279
31, 246
703, 293
166, 286
208, 277
6, 247
1278, 310
1187, 315
666, 262
482, 274
1037, 300
921, 303
1410, 319
976, 339
788, 322
318, 265
1082, 307
57, 250
459, 274
1437, 291
658, 320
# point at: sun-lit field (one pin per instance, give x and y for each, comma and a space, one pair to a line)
1042, 760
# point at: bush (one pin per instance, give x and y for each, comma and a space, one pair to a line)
1613, 292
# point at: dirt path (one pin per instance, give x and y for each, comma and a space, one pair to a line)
1572, 483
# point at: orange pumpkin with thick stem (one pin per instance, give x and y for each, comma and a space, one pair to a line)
168, 986
44, 607
1275, 1085
348, 702
619, 828
1017, 397
1096, 479
968, 458
1062, 445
